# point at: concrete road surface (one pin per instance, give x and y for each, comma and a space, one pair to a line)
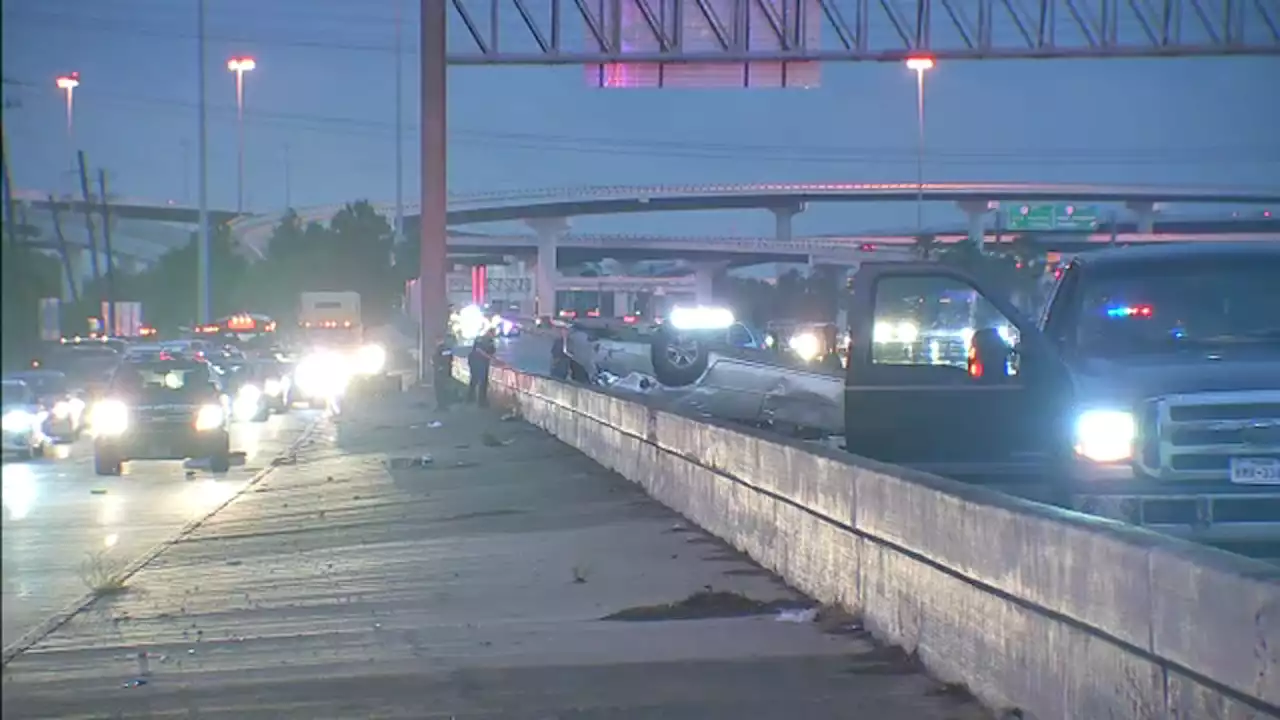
66, 528
507, 578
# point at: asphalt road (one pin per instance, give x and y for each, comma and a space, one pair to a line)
64, 527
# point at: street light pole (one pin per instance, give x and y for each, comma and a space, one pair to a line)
69, 83
239, 66
920, 65
202, 181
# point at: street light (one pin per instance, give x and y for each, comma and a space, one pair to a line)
239, 66
920, 65
69, 83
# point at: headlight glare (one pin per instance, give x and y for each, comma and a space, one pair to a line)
17, 420
109, 417
1105, 436
210, 417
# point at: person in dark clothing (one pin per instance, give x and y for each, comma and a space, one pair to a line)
478, 362
442, 368
559, 358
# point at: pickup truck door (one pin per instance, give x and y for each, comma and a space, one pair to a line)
910, 399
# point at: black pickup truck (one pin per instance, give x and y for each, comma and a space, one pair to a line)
1148, 391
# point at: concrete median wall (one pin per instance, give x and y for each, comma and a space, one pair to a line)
1057, 614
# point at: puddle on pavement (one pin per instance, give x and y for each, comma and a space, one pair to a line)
707, 605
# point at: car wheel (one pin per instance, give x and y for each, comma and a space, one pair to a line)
106, 464
678, 359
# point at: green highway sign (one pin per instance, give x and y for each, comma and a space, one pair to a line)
1064, 217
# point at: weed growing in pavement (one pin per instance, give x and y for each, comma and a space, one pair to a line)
102, 573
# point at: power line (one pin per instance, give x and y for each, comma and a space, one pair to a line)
97, 24
696, 149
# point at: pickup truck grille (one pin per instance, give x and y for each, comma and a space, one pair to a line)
1194, 436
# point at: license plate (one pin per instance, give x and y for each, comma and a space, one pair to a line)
1255, 471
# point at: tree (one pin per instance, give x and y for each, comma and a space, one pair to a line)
26, 275
167, 289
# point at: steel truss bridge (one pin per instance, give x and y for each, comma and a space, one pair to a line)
604, 32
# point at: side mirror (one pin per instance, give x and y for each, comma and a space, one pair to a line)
989, 356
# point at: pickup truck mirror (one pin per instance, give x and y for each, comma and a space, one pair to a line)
989, 356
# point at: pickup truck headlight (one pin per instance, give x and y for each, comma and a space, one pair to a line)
109, 418
210, 417
1105, 436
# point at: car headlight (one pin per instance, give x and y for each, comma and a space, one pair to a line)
210, 417
1105, 436
246, 402
907, 332
806, 345
273, 387
62, 410
108, 418
17, 420
371, 360
322, 375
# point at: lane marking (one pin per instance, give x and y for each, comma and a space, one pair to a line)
56, 621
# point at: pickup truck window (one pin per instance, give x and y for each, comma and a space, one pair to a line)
930, 320
1170, 307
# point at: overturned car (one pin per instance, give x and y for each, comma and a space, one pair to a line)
719, 366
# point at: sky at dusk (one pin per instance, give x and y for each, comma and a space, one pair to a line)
322, 99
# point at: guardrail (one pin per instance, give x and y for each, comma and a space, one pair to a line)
1060, 615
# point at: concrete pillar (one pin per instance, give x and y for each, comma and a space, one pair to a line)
1146, 215
549, 232
621, 302
703, 278
977, 211
782, 218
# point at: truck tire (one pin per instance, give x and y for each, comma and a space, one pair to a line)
678, 359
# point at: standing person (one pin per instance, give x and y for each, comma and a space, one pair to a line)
478, 361
442, 367
559, 358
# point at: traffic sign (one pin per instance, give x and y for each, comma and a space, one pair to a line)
1062, 217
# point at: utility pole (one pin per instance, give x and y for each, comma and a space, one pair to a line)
202, 182
88, 219
65, 252
434, 206
10, 221
110, 318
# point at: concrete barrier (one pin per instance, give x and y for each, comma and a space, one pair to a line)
1058, 614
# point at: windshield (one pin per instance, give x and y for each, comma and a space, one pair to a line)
83, 363
1171, 307
46, 384
162, 383
14, 393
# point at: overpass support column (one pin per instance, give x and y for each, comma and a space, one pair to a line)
621, 302
549, 232
1146, 214
782, 220
976, 211
703, 281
